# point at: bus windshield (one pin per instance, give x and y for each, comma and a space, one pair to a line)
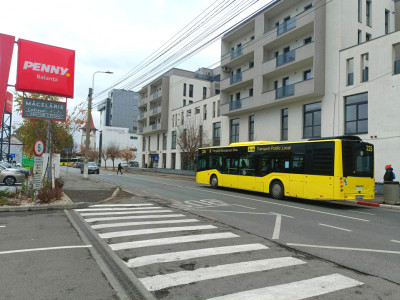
358, 159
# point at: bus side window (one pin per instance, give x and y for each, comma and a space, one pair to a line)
297, 164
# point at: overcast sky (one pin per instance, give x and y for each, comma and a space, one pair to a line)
107, 35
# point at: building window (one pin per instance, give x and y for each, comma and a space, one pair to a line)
307, 40
284, 125
144, 144
218, 112
213, 110
188, 113
251, 92
190, 102
191, 90
217, 134
184, 89
350, 71
312, 120
359, 11
396, 56
200, 135
367, 37
365, 67
173, 142
234, 130
217, 92
184, 102
251, 64
359, 38
307, 7
158, 142
197, 110
205, 112
356, 114
251, 128
387, 14
204, 92
164, 146
307, 75
368, 12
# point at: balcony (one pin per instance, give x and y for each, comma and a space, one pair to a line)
291, 61
236, 52
141, 129
154, 126
156, 95
237, 104
285, 91
155, 110
286, 58
397, 67
286, 26
236, 78
142, 102
291, 93
141, 115
288, 31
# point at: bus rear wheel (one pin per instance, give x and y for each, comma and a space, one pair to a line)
276, 190
214, 181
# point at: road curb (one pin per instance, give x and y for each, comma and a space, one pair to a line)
71, 204
364, 203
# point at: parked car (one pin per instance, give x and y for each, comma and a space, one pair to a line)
77, 164
10, 176
10, 166
134, 164
92, 168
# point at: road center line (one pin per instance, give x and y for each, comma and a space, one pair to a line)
277, 229
330, 226
45, 249
343, 248
361, 212
243, 206
229, 211
394, 241
2, 226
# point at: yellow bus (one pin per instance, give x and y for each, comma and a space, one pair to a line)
339, 168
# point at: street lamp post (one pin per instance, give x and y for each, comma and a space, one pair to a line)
89, 120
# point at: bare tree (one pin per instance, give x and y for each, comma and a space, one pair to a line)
128, 153
113, 153
105, 156
190, 137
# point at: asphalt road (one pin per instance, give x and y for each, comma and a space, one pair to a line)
358, 238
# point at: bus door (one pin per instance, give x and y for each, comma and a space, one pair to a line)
247, 173
230, 171
297, 177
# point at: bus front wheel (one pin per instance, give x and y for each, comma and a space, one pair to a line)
276, 190
214, 181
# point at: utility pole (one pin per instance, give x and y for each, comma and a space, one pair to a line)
87, 142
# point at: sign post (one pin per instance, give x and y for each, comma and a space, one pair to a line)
38, 149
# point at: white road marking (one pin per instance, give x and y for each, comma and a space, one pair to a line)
282, 215
159, 282
124, 213
110, 225
134, 217
182, 255
361, 212
244, 206
173, 240
334, 227
277, 229
344, 248
232, 211
127, 205
109, 235
2, 226
45, 249
118, 209
296, 290
263, 201
394, 241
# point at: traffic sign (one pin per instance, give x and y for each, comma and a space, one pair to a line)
38, 147
37, 172
12, 155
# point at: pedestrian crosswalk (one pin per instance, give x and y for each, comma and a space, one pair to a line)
156, 243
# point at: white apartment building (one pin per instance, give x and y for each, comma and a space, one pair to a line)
312, 69
165, 104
